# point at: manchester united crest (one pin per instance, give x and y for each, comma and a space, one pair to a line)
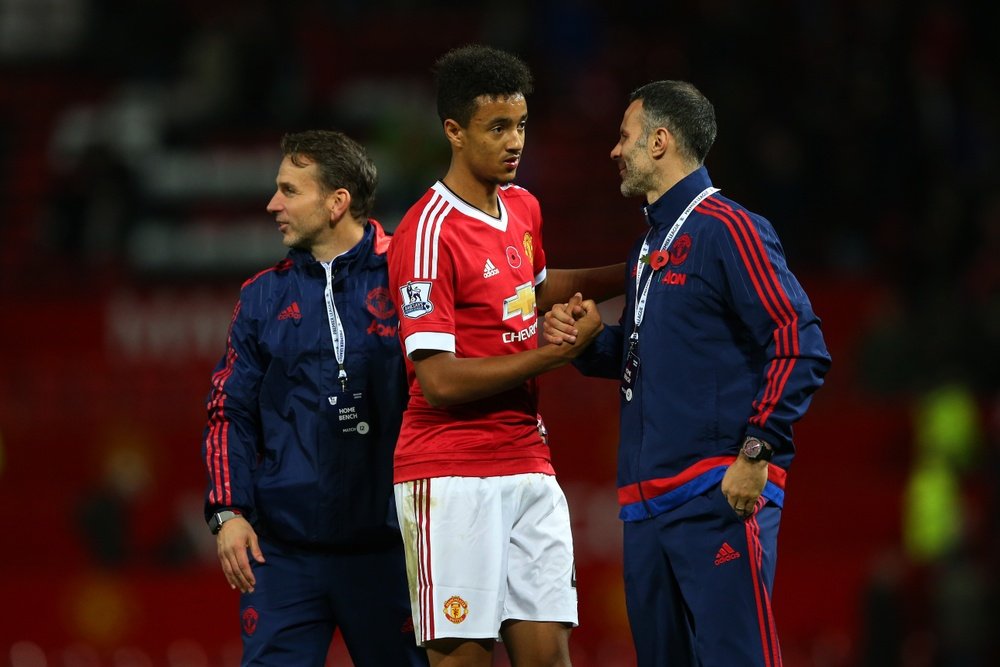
680, 249
529, 247
249, 621
456, 609
379, 303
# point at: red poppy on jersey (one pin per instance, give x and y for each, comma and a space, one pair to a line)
513, 258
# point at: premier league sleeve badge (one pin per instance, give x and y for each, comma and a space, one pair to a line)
416, 301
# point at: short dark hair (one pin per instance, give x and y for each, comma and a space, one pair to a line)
342, 163
468, 72
683, 110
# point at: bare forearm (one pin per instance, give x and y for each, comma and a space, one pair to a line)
448, 380
598, 283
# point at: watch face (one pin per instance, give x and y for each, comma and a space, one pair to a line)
751, 448
756, 450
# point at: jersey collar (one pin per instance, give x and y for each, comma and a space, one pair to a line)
467, 209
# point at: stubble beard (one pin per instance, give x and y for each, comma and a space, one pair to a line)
290, 239
634, 184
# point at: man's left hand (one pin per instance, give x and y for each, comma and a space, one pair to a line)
743, 483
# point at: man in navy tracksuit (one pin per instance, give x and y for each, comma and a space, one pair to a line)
718, 352
303, 416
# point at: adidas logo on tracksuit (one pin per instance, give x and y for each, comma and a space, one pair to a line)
291, 312
725, 554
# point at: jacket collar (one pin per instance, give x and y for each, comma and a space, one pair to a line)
381, 238
665, 210
371, 249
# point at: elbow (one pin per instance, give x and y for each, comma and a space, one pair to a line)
438, 381
437, 393
432, 396
436, 401
440, 400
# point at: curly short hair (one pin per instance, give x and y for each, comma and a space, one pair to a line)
342, 163
468, 72
683, 110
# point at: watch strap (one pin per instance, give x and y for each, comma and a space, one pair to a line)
220, 517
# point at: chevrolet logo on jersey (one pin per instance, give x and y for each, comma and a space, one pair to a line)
522, 303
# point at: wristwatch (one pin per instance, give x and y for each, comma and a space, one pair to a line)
219, 518
756, 449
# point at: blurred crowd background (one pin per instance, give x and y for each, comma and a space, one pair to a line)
138, 148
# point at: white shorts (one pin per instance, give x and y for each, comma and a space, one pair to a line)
482, 550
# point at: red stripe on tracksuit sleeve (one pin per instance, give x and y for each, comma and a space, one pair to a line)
217, 442
790, 328
780, 369
772, 296
752, 264
217, 445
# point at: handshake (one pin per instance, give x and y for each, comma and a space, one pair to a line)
574, 324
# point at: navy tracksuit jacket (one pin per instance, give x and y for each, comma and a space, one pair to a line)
315, 483
728, 346
272, 447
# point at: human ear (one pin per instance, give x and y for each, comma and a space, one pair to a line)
660, 142
338, 202
454, 132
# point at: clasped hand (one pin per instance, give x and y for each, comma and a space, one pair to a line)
575, 323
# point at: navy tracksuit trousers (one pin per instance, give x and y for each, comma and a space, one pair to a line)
302, 597
698, 583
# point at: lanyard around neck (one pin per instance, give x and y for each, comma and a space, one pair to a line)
336, 327
640, 299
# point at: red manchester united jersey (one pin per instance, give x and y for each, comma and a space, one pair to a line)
464, 282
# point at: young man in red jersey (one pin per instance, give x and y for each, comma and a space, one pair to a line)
486, 526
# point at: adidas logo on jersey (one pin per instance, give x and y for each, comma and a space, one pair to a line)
490, 269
